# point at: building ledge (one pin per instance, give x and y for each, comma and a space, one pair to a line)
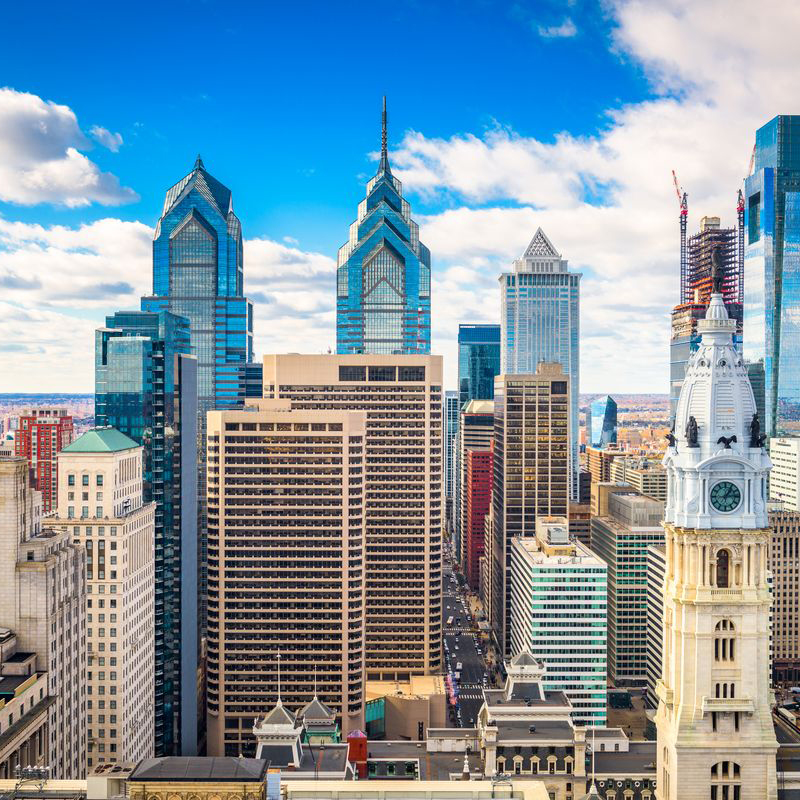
742, 705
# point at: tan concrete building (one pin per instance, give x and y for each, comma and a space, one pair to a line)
598, 462
101, 472
402, 398
23, 708
531, 471
42, 599
646, 476
784, 480
411, 708
784, 564
286, 495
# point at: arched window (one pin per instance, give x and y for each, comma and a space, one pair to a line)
723, 569
724, 641
501, 765
726, 781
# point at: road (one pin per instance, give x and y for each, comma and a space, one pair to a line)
461, 641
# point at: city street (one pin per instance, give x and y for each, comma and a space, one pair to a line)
461, 646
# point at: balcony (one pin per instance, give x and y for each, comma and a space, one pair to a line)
743, 705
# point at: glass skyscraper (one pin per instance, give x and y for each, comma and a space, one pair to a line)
146, 387
451, 413
383, 276
539, 304
478, 361
602, 418
771, 343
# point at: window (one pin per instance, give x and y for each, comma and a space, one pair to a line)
411, 373
559, 387
84, 480
70, 480
382, 373
726, 781
754, 218
347, 373
724, 641
98, 511
723, 568
99, 480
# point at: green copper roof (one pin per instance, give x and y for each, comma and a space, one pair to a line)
100, 440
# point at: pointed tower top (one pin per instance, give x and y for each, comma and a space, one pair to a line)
384, 166
198, 164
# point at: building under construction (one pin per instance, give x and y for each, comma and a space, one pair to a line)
695, 292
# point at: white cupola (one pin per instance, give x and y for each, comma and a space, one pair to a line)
716, 464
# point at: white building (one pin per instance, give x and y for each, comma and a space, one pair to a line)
42, 599
715, 731
102, 471
784, 480
558, 613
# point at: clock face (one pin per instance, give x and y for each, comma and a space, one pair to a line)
725, 496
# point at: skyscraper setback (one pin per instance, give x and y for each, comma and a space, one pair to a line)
383, 276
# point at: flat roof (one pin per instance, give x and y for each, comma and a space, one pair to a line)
196, 768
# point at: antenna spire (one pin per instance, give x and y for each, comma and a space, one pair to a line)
198, 164
384, 167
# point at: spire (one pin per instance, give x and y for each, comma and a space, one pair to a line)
384, 167
198, 164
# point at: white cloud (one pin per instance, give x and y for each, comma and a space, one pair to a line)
565, 30
40, 160
113, 141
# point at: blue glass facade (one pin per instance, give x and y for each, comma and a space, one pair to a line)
146, 387
383, 276
771, 343
602, 419
540, 321
478, 361
452, 410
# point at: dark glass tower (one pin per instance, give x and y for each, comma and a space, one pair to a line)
478, 362
383, 279
146, 387
772, 275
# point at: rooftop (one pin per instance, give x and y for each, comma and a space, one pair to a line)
178, 768
101, 440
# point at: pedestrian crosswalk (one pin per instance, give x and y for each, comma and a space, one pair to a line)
469, 696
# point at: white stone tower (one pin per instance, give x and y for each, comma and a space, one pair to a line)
715, 733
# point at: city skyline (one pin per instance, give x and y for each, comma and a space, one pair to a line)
483, 173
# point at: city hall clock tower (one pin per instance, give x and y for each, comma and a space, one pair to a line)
715, 734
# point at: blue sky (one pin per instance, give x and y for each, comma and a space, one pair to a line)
503, 116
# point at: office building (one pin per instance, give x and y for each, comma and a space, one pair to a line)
24, 700
451, 414
40, 435
146, 388
475, 432
531, 472
601, 421
645, 475
723, 244
43, 600
599, 461
286, 605
101, 506
784, 564
478, 361
580, 516
478, 491
715, 731
621, 539
784, 479
771, 264
402, 398
558, 612
540, 321
383, 275
656, 564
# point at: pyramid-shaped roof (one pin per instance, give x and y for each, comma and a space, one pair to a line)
524, 659
101, 440
540, 245
199, 178
280, 715
317, 710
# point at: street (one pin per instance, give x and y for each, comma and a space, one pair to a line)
461, 647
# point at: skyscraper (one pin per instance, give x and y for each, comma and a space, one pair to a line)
478, 362
602, 419
531, 472
402, 398
539, 303
772, 276
146, 387
43, 600
41, 434
383, 276
696, 293
103, 469
715, 733
451, 409
287, 566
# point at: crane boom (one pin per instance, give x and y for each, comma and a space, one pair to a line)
683, 203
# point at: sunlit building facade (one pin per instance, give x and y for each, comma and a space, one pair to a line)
772, 275
383, 276
540, 321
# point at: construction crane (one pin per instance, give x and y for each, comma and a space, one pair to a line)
740, 222
683, 203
